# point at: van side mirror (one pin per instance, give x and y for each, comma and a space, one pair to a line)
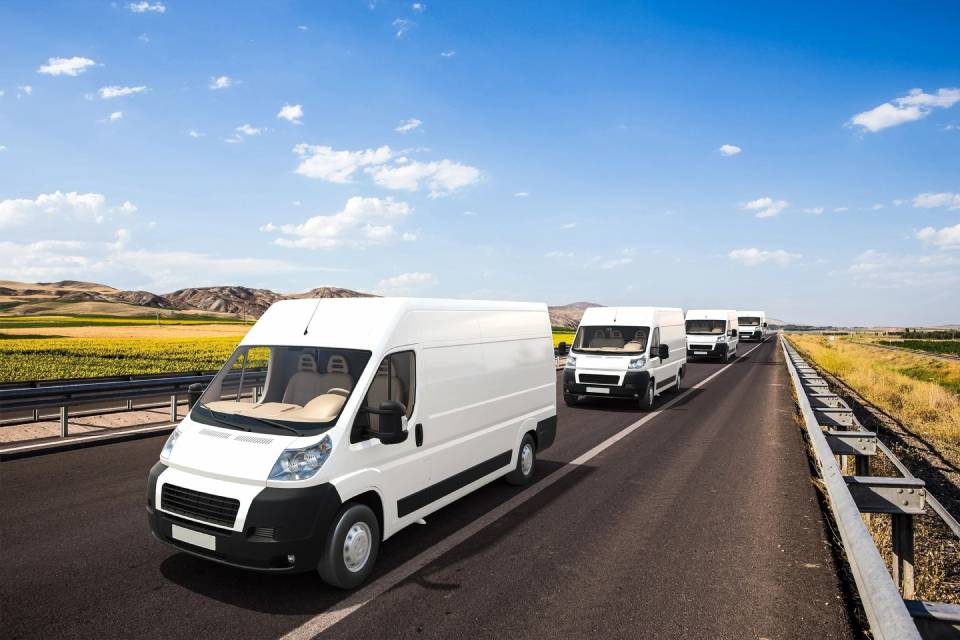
732, 333
391, 429
562, 348
764, 324
664, 352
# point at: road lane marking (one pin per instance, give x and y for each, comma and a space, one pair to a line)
323, 621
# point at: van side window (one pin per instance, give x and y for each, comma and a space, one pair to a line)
396, 379
655, 343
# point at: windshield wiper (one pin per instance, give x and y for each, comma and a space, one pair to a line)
218, 416
278, 425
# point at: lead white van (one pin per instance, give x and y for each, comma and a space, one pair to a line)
626, 352
753, 325
338, 422
712, 333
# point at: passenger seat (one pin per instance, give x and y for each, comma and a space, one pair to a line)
306, 384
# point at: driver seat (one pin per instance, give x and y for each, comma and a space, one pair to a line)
306, 384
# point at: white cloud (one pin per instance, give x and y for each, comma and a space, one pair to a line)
766, 207
361, 222
897, 203
243, 130
127, 207
814, 210
884, 271
147, 7
448, 54
3, 147
753, 257
522, 194
470, 214
220, 82
302, 27
877, 207
441, 177
143, 37
118, 92
195, 134
66, 66
402, 26
291, 113
558, 254
418, 7
841, 209
913, 106
405, 284
408, 125
568, 225
326, 163
616, 262
88, 207
936, 200
24, 90
947, 238
729, 149
116, 115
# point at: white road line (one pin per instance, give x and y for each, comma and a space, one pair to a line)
323, 621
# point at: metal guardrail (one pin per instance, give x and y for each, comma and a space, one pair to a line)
834, 431
65, 397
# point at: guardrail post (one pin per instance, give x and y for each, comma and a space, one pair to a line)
173, 408
64, 425
903, 572
36, 415
129, 405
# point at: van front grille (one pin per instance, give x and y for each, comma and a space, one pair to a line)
701, 347
596, 378
199, 505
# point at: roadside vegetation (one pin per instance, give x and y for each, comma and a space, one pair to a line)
947, 347
34, 322
921, 392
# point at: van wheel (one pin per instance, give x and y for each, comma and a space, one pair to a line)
526, 463
571, 399
646, 400
678, 385
351, 548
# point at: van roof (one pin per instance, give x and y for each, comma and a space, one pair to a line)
709, 314
628, 316
354, 323
750, 313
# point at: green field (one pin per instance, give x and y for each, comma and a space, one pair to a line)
948, 347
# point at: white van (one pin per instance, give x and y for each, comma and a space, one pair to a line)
753, 325
712, 333
626, 352
338, 422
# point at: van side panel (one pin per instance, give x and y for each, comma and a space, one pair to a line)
483, 377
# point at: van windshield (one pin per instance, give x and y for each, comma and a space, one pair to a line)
748, 321
611, 339
280, 389
706, 327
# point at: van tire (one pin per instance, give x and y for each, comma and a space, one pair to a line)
526, 462
678, 385
360, 522
571, 399
646, 400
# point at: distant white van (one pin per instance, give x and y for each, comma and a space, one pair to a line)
712, 333
371, 414
626, 352
753, 325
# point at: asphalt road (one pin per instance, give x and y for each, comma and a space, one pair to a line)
702, 522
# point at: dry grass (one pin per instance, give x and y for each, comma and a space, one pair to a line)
916, 390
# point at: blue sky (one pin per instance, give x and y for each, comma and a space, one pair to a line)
804, 160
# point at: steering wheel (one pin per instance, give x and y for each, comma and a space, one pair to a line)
338, 392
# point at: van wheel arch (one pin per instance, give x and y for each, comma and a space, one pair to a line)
373, 500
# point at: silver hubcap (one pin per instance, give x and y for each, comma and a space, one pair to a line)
356, 546
526, 459
650, 393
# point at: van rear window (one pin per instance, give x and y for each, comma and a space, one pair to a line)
611, 339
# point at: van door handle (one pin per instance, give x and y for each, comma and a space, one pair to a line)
418, 434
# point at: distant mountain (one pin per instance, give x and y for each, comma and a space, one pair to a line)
71, 297
568, 315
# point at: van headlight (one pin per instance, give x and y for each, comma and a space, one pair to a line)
637, 363
301, 464
721, 338
571, 361
168, 445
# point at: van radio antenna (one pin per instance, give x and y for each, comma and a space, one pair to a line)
310, 319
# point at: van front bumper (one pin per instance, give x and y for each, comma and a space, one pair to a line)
634, 384
717, 350
279, 523
756, 335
